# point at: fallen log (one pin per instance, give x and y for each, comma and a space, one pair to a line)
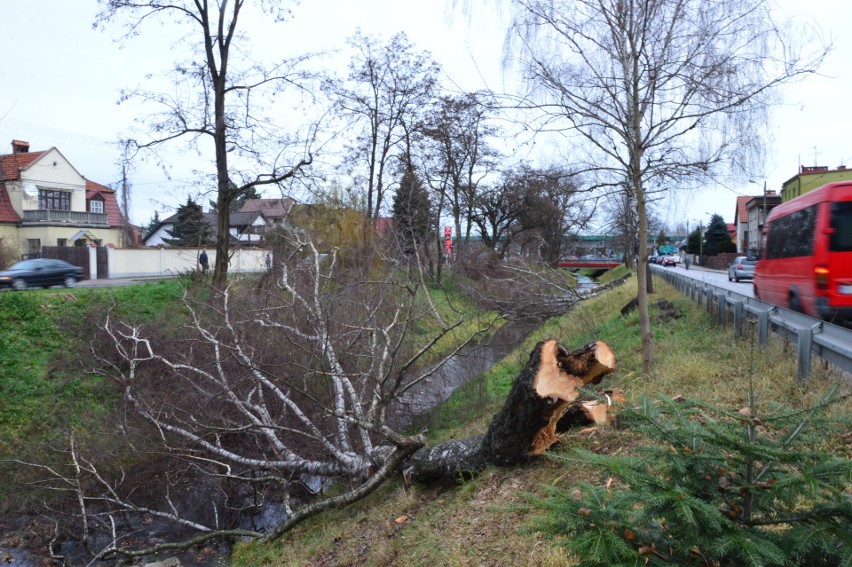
526, 425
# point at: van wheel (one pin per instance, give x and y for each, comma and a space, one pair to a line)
795, 303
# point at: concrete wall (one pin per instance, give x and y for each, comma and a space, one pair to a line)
49, 235
149, 262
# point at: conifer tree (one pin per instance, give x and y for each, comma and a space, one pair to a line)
714, 487
190, 227
693, 242
153, 223
412, 212
717, 239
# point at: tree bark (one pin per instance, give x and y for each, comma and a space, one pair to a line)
544, 390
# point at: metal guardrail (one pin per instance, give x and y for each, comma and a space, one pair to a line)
811, 336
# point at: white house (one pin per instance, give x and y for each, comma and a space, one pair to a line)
245, 228
45, 201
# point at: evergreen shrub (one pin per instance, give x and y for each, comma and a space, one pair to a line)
714, 487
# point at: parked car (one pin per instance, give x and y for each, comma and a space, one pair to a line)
741, 269
40, 272
807, 254
669, 261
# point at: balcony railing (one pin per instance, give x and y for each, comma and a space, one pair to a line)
69, 217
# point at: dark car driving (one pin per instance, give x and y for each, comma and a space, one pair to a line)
40, 272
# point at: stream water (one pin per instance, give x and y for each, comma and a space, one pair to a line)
412, 411
414, 407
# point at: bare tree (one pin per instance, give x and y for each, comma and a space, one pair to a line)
459, 131
221, 105
534, 208
656, 91
258, 397
388, 86
623, 224
555, 207
497, 211
126, 164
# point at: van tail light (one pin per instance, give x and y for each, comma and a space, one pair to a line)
821, 273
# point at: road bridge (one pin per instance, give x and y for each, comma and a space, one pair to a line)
599, 263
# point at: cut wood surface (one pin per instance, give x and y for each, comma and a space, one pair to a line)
529, 421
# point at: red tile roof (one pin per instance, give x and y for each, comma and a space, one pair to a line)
384, 225
12, 164
111, 207
7, 213
742, 211
732, 230
271, 208
10, 170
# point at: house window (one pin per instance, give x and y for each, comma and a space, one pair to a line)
96, 206
54, 200
62, 242
33, 245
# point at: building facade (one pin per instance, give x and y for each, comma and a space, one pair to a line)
812, 177
45, 201
758, 209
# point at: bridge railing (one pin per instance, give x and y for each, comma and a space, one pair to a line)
811, 336
589, 262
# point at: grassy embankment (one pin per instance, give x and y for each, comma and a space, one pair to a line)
486, 521
479, 522
45, 391
45, 379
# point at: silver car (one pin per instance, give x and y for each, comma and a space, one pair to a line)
741, 269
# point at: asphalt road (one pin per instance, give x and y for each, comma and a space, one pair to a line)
716, 277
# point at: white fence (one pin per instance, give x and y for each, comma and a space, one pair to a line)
151, 262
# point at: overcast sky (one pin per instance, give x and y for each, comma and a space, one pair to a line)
60, 81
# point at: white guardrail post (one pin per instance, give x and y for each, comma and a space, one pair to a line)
828, 341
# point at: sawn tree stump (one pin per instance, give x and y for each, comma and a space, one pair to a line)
527, 423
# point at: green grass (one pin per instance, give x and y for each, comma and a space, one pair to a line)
44, 337
484, 521
488, 521
40, 383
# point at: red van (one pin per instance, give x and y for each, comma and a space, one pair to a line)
806, 263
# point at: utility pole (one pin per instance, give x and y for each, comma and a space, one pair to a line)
762, 225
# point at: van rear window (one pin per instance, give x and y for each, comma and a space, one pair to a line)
841, 222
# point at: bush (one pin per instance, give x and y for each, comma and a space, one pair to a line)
8, 255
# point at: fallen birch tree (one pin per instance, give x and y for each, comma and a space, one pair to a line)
255, 398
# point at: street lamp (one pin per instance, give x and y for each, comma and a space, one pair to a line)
701, 237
